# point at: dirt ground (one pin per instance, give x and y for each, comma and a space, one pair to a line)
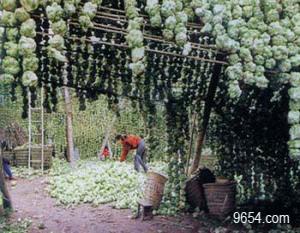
31, 200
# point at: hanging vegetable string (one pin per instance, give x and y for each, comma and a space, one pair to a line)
125, 73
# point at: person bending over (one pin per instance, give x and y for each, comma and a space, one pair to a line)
131, 142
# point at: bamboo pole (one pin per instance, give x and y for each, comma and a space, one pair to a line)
146, 49
109, 28
117, 19
189, 24
29, 129
42, 126
206, 115
69, 120
148, 36
191, 143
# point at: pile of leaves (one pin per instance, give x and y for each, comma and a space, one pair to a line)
26, 173
20, 226
98, 182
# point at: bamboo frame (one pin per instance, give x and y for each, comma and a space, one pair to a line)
109, 28
146, 49
144, 16
108, 16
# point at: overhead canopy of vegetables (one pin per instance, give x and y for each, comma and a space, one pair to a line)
156, 51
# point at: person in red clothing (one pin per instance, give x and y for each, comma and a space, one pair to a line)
132, 142
105, 152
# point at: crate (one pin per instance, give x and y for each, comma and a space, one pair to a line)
21, 156
220, 197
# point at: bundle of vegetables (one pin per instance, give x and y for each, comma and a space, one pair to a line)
259, 36
175, 21
153, 10
175, 193
27, 47
20, 47
30, 5
56, 14
9, 58
97, 182
135, 39
88, 12
294, 115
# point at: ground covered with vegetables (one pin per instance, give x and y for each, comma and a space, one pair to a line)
92, 197
98, 182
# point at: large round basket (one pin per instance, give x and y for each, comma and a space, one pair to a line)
195, 193
220, 197
154, 188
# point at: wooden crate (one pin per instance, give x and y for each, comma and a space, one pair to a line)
21, 157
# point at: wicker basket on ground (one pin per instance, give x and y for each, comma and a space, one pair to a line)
194, 188
220, 197
154, 188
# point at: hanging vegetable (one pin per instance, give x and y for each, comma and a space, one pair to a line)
135, 38
30, 5
28, 28
29, 79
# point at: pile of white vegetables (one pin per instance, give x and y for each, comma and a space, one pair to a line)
99, 182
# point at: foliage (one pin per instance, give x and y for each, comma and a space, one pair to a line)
27, 173
251, 141
258, 36
20, 226
91, 126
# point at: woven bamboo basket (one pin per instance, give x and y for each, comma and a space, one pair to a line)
220, 197
195, 193
154, 188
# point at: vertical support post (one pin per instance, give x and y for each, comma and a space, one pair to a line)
191, 143
42, 126
206, 115
29, 128
69, 116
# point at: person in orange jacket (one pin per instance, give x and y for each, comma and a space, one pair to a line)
132, 142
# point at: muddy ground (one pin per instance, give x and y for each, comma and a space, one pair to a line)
32, 201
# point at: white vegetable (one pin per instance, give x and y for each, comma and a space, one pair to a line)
187, 48
29, 78
137, 54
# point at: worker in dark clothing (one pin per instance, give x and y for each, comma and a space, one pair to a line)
132, 142
6, 168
